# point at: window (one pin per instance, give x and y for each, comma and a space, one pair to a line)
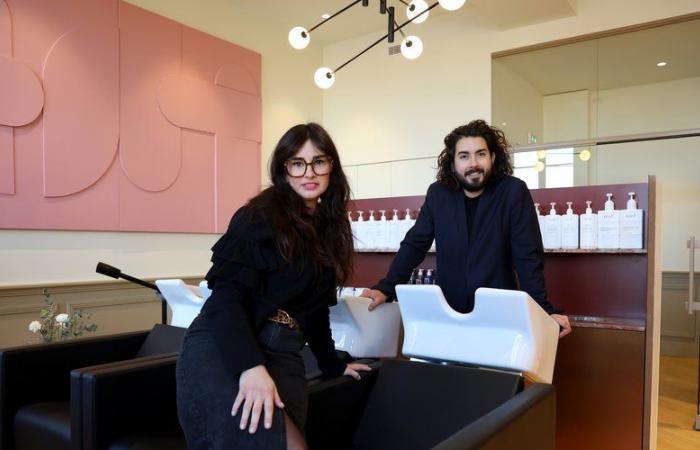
556, 168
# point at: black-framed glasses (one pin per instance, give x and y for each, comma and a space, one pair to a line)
320, 165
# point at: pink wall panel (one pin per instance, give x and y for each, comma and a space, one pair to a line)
122, 120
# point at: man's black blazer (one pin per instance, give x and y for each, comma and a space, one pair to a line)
506, 246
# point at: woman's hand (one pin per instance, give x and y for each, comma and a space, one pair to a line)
353, 369
257, 393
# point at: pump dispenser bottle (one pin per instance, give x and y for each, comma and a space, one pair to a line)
631, 224
540, 221
382, 232
589, 228
608, 226
569, 228
361, 231
552, 229
395, 232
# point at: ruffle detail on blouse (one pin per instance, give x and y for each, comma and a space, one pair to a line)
244, 251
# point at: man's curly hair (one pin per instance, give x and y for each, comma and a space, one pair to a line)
495, 141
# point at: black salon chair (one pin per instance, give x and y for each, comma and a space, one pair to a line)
38, 405
399, 405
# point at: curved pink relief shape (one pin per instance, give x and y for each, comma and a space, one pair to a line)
21, 93
235, 77
150, 147
81, 114
200, 105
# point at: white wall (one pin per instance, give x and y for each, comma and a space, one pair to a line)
383, 108
289, 97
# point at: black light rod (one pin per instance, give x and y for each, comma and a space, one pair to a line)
339, 12
390, 33
113, 272
384, 37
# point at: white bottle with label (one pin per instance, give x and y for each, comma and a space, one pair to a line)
552, 229
608, 226
372, 231
631, 224
589, 228
569, 228
540, 221
395, 232
382, 232
407, 223
359, 231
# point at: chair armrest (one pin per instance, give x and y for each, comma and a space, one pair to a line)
117, 399
34, 373
526, 421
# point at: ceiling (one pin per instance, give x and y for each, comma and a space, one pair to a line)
612, 62
358, 21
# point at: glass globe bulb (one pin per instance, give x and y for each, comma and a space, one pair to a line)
585, 155
324, 78
539, 166
411, 47
416, 7
299, 38
541, 154
452, 5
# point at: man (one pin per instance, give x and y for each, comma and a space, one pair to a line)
484, 224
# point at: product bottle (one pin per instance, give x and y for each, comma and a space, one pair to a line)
414, 276
372, 231
552, 229
540, 221
631, 224
428, 277
608, 226
361, 231
395, 232
407, 223
382, 232
419, 277
589, 228
569, 228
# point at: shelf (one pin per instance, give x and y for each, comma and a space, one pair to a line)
616, 251
612, 251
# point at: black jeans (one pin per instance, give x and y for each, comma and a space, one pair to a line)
206, 390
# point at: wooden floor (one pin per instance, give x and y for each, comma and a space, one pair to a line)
677, 404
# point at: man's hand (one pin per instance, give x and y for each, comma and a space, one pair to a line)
563, 321
376, 296
353, 369
257, 396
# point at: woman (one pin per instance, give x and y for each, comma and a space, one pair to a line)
240, 375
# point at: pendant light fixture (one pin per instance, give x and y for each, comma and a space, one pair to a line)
417, 11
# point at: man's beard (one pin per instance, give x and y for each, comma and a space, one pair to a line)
473, 186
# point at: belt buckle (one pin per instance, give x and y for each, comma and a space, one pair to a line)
283, 318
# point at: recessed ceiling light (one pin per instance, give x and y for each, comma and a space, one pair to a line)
325, 16
661, 64
504, 124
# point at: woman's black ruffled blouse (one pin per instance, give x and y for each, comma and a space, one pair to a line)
250, 280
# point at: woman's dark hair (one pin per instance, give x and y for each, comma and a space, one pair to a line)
495, 141
324, 235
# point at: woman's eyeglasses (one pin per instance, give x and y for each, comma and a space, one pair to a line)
320, 165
